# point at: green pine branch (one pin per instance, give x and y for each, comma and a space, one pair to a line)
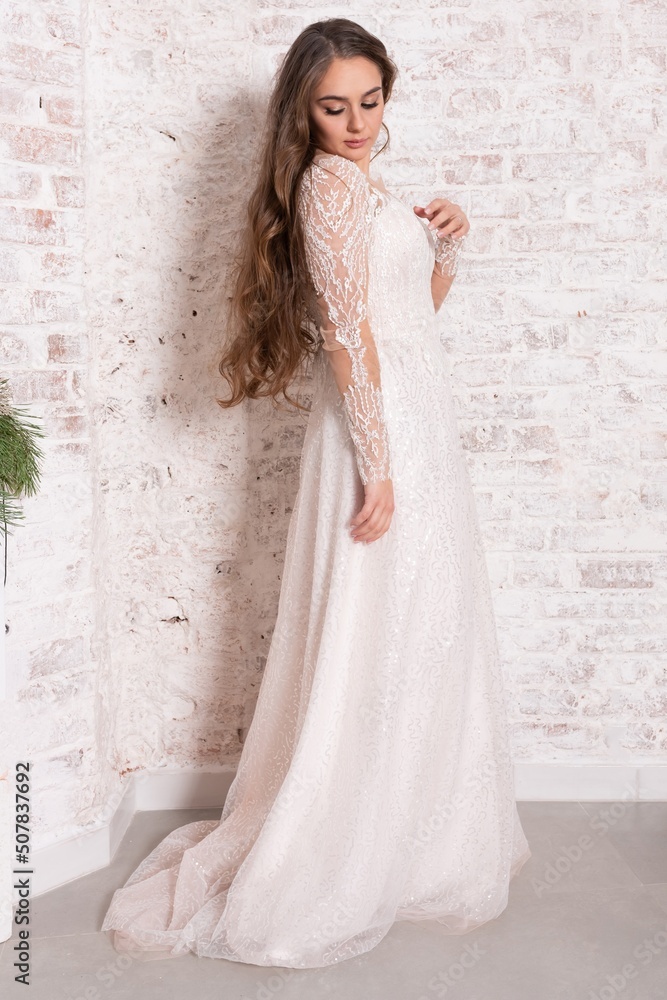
20, 458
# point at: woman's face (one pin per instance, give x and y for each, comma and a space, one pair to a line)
348, 105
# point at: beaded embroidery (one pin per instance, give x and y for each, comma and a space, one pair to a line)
337, 204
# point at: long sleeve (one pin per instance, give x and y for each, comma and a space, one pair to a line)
447, 252
337, 205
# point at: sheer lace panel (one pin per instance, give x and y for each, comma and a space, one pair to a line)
337, 204
447, 252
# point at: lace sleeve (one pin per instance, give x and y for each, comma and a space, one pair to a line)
337, 206
448, 250
447, 253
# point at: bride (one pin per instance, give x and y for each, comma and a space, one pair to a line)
375, 783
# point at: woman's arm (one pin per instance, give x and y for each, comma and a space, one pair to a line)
447, 253
449, 226
336, 206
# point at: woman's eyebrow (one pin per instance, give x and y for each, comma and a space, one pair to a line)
335, 97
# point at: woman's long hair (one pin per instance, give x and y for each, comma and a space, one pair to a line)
267, 313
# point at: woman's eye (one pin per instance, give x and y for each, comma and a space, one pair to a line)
338, 111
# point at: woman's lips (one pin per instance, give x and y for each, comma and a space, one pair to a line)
354, 142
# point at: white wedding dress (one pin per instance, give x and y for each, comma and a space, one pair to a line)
375, 783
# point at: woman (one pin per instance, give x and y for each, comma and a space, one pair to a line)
375, 783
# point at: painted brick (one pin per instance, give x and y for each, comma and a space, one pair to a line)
116, 231
38, 145
39, 226
27, 62
19, 183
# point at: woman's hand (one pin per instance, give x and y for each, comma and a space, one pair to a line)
445, 217
374, 517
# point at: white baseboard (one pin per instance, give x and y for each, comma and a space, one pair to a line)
554, 782
69, 859
72, 857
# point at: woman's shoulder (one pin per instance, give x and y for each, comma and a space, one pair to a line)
341, 186
332, 165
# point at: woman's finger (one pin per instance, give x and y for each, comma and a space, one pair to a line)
437, 205
368, 529
376, 526
363, 514
455, 225
447, 213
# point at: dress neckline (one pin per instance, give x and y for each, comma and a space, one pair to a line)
372, 181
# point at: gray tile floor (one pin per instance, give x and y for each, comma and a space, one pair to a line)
586, 920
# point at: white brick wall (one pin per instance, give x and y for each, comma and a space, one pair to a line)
143, 587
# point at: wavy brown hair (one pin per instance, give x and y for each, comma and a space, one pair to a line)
269, 333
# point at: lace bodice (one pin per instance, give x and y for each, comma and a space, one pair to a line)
338, 203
